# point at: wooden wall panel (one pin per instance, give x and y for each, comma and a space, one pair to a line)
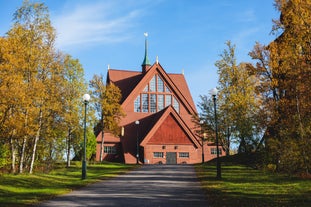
170, 133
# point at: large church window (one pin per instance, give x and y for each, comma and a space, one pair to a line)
137, 104
155, 96
153, 103
145, 102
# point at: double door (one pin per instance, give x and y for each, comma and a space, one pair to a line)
171, 158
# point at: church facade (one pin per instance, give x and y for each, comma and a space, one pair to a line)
158, 126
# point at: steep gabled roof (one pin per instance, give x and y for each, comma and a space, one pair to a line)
181, 83
176, 82
160, 118
125, 80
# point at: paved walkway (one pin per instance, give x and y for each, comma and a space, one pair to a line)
150, 186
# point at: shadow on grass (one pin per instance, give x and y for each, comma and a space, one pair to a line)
26, 189
244, 186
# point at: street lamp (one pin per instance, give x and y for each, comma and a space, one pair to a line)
86, 99
203, 139
213, 92
137, 149
203, 134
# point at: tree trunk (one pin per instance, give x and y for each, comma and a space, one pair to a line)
13, 157
301, 133
22, 157
228, 140
242, 146
68, 147
102, 140
22, 154
260, 143
33, 156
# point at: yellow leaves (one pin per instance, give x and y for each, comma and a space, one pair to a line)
108, 97
287, 86
237, 98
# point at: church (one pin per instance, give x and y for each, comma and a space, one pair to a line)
158, 126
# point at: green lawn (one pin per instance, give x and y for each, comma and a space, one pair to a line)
244, 186
23, 190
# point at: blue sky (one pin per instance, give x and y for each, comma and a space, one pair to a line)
186, 35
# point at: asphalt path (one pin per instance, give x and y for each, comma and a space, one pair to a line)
149, 185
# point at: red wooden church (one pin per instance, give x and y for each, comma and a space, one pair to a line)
158, 127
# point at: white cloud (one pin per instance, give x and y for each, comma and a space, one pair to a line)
247, 16
89, 24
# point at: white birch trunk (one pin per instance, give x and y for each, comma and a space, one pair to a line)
33, 156
21, 161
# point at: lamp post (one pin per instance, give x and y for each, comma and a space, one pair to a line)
203, 139
86, 99
213, 92
137, 149
203, 134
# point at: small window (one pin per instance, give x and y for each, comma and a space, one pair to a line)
153, 84
176, 104
158, 154
184, 154
145, 102
160, 102
160, 85
146, 89
168, 100
153, 103
137, 104
214, 151
110, 150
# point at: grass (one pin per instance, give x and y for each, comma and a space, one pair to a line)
26, 189
244, 186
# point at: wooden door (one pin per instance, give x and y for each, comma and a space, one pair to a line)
171, 158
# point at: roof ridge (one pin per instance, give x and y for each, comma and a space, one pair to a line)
126, 70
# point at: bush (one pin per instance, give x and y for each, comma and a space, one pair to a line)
271, 167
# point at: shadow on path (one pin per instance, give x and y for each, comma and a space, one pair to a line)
150, 185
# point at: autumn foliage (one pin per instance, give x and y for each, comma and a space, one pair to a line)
41, 89
284, 71
266, 107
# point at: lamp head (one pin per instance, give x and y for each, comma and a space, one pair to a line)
137, 122
213, 91
86, 97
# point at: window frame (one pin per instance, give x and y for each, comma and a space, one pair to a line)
110, 150
214, 151
148, 100
183, 154
159, 154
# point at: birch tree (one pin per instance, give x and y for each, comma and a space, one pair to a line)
237, 100
107, 105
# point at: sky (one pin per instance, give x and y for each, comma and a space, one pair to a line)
187, 35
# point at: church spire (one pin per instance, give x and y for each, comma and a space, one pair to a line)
146, 64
